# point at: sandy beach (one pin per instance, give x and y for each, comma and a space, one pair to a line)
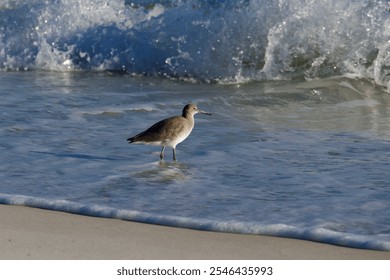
30, 233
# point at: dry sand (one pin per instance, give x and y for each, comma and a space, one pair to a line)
30, 233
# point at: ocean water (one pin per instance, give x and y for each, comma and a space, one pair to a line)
297, 144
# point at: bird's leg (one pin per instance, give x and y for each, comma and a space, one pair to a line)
162, 153
174, 155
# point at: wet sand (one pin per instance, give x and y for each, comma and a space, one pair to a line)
30, 233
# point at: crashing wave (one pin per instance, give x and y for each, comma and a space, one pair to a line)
226, 41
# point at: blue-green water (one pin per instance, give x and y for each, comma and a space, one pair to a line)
301, 159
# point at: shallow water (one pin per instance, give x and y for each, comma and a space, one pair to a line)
300, 159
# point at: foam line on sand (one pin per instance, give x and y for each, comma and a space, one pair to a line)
31, 233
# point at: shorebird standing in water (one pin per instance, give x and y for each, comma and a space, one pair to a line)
169, 132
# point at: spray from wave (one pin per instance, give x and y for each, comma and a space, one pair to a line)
225, 41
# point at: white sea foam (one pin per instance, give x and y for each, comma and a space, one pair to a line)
228, 41
315, 234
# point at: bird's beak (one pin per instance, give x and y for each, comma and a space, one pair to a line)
203, 112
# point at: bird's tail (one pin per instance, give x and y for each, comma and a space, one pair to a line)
130, 140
